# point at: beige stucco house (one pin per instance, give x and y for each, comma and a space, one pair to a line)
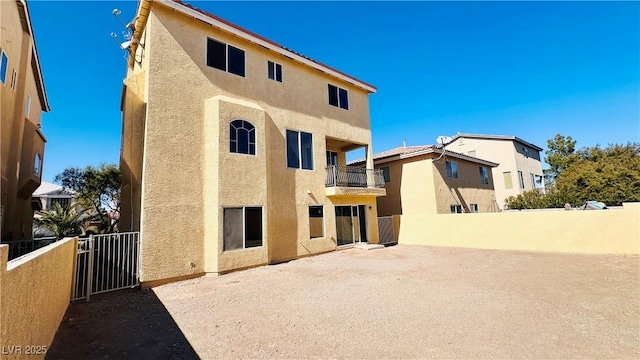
233, 148
428, 180
23, 98
519, 168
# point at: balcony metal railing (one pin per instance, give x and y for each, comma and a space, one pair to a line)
351, 176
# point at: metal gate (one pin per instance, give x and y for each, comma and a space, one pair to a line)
388, 230
105, 263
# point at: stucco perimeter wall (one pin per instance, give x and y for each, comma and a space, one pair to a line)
592, 232
35, 291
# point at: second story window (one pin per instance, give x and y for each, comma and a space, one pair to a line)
484, 175
274, 71
27, 106
299, 150
521, 178
452, 169
225, 57
242, 137
338, 97
37, 164
4, 66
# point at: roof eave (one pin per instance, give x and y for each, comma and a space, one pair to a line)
243, 33
35, 59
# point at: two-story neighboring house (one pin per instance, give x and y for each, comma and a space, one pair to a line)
233, 148
425, 179
23, 99
519, 168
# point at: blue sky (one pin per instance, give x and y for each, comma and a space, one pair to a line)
530, 69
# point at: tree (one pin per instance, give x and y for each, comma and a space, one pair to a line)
559, 155
97, 188
610, 175
62, 220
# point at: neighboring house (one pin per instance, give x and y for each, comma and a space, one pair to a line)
23, 98
47, 195
233, 148
423, 180
520, 168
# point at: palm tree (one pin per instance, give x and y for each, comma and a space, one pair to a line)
62, 220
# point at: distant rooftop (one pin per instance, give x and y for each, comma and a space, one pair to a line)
47, 188
495, 137
404, 152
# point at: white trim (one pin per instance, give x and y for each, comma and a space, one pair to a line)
244, 227
197, 15
286, 153
275, 71
366, 224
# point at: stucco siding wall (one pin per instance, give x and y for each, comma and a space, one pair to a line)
593, 232
35, 291
391, 204
417, 187
189, 175
465, 190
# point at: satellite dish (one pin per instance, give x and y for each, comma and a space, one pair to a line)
442, 140
125, 45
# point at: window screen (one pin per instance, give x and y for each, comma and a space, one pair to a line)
216, 54
233, 229
293, 156
236, 61
307, 150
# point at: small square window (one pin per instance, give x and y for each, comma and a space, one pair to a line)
456, 209
508, 182
473, 208
274, 71
338, 97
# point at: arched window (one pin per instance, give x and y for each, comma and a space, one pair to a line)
242, 136
37, 164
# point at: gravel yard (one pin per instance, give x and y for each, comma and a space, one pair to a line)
397, 302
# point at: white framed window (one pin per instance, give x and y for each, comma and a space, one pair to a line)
452, 169
338, 97
299, 150
14, 79
521, 178
4, 67
473, 208
242, 137
37, 165
484, 175
242, 227
456, 209
538, 184
225, 57
274, 71
27, 106
316, 221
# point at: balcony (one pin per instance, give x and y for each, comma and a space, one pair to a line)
351, 180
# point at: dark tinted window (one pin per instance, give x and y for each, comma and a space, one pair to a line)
216, 54
271, 70
278, 72
242, 137
344, 99
333, 95
293, 156
253, 226
307, 150
236, 61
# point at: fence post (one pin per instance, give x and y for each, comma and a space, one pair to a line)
90, 267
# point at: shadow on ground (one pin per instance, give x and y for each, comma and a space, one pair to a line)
125, 324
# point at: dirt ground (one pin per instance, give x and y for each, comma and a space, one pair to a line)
397, 302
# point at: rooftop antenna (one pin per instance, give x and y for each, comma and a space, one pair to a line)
443, 140
127, 34
404, 142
